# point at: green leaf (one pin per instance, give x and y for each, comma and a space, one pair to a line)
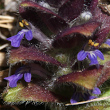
31, 92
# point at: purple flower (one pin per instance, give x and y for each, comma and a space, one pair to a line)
86, 95
13, 79
16, 39
92, 55
107, 42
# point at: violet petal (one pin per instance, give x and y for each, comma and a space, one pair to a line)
13, 79
87, 96
28, 35
99, 54
81, 55
27, 77
73, 101
96, 91
93, 58
107, 42
15, 40
75, 98
92, 97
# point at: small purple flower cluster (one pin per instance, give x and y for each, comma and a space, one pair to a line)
22, 71
16, 40
86, 95
92, 55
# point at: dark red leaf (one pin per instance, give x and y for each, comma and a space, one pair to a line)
40, 71
105, 74
30, 53
101, 35
56, 3
100, 16
71, 9
85, 29
87, 78
77, 40
77, 34
93, 5
37, 14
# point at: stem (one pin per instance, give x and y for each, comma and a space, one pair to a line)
9, 74
2, 36
4, 46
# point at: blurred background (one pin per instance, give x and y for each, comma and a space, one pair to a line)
8, 26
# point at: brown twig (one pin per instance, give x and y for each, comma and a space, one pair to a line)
4, 46
6, 21
6, 17
9, 26
2, 36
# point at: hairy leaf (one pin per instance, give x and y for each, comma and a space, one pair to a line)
56, 3
76, 35
85, 29
71, 9
105, 74
86, 78
100, 16
89, 78
30, 53
31, 92
41, 14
